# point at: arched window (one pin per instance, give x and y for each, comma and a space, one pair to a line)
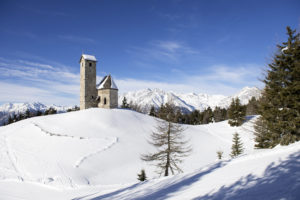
104, 101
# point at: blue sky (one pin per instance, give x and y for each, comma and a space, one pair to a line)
201, 46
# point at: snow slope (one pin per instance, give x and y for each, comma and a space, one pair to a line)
88, 147
95, 153
187, 102
266, 174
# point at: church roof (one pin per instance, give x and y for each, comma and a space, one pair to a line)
88, 57
107, 83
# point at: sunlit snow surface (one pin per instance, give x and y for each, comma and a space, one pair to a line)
95, 154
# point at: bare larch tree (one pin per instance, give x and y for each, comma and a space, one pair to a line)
171, 147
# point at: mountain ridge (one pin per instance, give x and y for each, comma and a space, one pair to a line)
187, 102
145, 99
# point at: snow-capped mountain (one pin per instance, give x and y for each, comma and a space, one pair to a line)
145, 99
10, 109
187, 102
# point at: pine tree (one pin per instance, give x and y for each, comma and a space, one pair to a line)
152, 111
219, 114
237, 146
220, 154
207, 116
124, 103
280, 106
252, 107
171, 147
167, 112
27, 114
195, 117
10, 120
236, 113
142, 176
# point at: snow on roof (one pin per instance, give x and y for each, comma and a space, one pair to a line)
107, 83
89, 57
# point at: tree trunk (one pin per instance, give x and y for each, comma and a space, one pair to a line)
168, 151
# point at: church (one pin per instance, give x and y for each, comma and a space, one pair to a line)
92, 95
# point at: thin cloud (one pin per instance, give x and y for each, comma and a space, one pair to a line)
76, 39
34, 81
166, 51
219, 79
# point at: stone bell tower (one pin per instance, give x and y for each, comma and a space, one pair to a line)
88, 91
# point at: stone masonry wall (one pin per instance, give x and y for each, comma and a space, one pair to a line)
88, 91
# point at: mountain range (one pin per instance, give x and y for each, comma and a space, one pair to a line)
188, 102
145, 99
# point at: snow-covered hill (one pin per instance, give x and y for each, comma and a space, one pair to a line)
18, 108
187, 102
88, 147
95, 154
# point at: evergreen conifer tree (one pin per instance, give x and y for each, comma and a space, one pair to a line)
207, 116
152, 111
279, 122
124, 103
252, 107
220, 154
236, 113
237, 146
10, 120
142, 176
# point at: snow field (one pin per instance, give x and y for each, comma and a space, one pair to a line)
95, 154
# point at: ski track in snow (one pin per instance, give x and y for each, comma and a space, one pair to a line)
57, 134
81, 160
13, 159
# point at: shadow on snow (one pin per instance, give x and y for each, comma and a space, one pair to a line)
278, 182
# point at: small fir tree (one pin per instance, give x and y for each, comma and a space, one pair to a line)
236, 113
252, 107
237, 146
124, 103
152, 111
208, 116
220, 154
142, 175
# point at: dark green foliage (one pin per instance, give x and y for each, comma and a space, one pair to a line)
219, 114
39, 113
152, 111
252, 107
220, 154
236, 113
237, 146
75, 108
207, 116
280, 106
167, 112
10, 120
142, 176
50, 111
195, 117
27, 114
124, 103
